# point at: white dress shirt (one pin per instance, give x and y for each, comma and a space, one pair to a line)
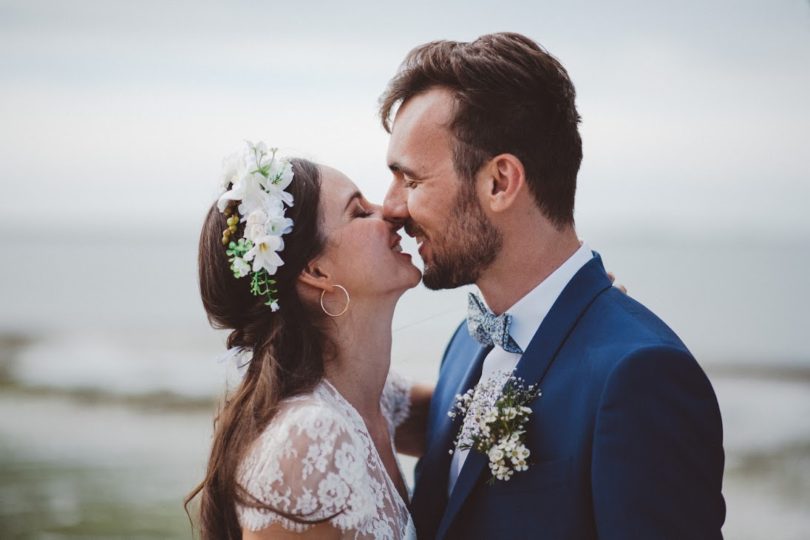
527, 315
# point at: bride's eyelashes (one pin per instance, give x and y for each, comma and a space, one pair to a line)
360, 212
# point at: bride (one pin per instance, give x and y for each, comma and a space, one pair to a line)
305, 273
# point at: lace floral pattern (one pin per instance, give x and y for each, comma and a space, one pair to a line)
316, 461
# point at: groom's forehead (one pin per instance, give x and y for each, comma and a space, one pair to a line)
421, 124
429, 109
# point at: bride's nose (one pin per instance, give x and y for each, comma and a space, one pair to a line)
376, 210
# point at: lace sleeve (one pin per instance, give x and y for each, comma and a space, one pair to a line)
308, 466
396, 399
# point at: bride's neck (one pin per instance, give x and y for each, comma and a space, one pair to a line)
362, 338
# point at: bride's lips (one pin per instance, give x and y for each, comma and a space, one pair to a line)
396, 246
415, 232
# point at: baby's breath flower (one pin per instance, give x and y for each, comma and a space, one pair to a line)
495, 413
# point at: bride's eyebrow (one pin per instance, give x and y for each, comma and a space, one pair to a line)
355, 196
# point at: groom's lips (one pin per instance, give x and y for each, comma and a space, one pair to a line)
415, 232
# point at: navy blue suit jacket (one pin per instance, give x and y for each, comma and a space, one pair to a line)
626, 440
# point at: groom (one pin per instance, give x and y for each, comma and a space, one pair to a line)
626, 438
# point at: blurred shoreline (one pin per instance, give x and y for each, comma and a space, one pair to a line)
109, 382
71, 455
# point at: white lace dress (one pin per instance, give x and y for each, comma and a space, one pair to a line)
317, 461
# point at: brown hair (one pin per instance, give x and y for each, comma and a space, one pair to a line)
288, 348
511, 96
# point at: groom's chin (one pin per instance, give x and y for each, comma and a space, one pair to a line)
437, 281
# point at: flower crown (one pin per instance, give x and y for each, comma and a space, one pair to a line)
254, 183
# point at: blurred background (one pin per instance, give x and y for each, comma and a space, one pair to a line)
114, 118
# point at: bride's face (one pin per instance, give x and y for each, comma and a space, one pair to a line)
362, 249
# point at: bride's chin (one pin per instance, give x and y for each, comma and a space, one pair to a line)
413, 280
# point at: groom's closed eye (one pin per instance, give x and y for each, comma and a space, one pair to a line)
407, 175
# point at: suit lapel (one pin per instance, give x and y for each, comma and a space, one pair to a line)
431, 498
448, 427
581, 291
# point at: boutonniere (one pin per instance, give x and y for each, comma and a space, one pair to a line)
495, 414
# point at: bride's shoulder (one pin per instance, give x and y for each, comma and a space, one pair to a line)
309, 464
303, 419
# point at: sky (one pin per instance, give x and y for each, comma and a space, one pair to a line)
116, 115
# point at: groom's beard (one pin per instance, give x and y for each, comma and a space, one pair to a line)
468, 246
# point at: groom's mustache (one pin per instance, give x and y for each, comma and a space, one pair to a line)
412, 229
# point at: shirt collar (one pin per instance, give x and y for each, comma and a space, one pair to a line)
528, 312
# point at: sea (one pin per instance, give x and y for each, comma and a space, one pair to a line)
110, 375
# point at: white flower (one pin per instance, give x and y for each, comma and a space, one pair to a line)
255, 226
263, 253
240, 267
495, 415
281, 173
507, 445
233, 168
277, 192
278, 226
521, 452
247, 189
277, 223
254, 196
256, 179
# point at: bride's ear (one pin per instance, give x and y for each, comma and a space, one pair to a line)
316, 276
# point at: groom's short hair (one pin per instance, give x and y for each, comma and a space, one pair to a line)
512, 97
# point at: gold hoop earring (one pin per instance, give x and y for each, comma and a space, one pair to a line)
348, 300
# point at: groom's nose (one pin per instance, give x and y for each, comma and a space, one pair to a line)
395, 205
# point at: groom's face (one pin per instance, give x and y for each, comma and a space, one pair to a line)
427, 197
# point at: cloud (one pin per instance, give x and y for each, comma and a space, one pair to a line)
692, 113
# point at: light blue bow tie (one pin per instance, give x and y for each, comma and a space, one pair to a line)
489, 329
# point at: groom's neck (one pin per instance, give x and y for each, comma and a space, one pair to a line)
525, 260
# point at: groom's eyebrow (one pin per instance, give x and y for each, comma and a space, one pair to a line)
399, 168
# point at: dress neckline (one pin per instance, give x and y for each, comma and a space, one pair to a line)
361, 426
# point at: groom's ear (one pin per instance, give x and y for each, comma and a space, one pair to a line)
504, 180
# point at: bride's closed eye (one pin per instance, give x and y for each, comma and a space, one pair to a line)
360, 211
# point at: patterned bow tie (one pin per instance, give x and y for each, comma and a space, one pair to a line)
487, 328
